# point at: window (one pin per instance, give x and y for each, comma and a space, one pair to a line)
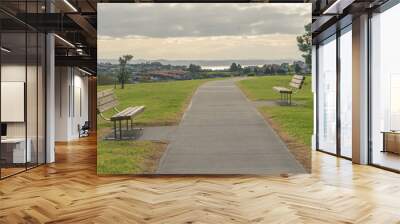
327, 95
346, 92
22, 98
385, 89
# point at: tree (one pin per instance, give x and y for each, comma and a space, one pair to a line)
268, 69
297, 68
123, 74
233, 67
256, 70
284, 68
304, 44
194, 68
246, 70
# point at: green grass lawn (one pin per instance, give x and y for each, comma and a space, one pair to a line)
165, 103
128, 157
297, 120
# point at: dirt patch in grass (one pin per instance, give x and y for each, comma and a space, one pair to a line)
300, 151
150, 163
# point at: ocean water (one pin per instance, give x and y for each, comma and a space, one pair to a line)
216, 68
222, 67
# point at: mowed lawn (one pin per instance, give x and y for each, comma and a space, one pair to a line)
297, 120
128, 157
165, 103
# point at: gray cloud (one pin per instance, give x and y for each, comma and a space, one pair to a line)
198, 20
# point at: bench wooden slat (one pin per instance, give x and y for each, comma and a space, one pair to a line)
105, 93
127, 113
282, 89
295, 85
106, 100
297, 81
105, 107
299, 77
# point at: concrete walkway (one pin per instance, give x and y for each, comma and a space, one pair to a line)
222, 133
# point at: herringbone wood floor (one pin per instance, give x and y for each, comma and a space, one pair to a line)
69, 191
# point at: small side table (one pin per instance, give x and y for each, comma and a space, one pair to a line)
391, 141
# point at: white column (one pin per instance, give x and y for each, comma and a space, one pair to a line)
50, 92
62, 103
360, 90
50, 103
314, 91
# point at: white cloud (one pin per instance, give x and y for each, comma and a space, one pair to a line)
201, 31
201, 19
273, 46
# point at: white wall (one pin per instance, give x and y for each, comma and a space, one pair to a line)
10, 73
33, 126
80, 88
70, 83
62, 81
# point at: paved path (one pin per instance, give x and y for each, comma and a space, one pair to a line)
222, 133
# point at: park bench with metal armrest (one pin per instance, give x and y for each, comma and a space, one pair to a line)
286, 92
107, 100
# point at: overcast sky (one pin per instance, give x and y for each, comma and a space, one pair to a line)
201, 31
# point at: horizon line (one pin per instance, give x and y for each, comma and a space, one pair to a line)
161, 59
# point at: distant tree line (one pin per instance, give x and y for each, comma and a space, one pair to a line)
124, 72
298, 67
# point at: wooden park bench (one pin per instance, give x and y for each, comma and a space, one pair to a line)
106, 100
286, 92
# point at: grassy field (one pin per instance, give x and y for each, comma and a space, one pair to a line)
128, 157
165, 103
296, 121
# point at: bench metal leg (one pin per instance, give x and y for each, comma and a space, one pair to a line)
120, 130
115, 129
286, 98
